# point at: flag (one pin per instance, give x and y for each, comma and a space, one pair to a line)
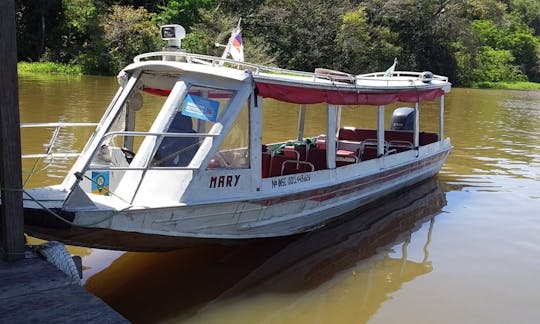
236, 46
390, 71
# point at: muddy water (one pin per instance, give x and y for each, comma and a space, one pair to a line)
461, 248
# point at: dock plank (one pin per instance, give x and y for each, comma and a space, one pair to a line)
29, 275
33, 290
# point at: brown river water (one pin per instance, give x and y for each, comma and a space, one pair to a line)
461, 248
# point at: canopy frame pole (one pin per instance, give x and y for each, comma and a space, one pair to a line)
338, 118
380, 131
416, 137
255, 141
441, 118
331, 138
301, 122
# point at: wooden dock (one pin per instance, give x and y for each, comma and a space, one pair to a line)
31, 289
34, 290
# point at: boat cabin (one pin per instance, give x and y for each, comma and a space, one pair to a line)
206, 140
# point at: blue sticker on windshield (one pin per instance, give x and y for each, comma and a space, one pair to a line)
201, 108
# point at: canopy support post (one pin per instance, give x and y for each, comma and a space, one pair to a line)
331, 138
338, 119
255, 142
380, 131
441, 118
416, 137
130, 125
301, 121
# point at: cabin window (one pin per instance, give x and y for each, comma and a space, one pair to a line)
289, 146
137, 114
234, 150
206, 105
196, 116
177, 151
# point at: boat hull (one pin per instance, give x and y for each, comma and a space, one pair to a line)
236, 221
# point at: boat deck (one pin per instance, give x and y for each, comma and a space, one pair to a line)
354, 145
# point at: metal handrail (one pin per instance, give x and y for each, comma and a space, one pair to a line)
162, 134
147, 166
48, 147
309, 164
258, 69
57, 124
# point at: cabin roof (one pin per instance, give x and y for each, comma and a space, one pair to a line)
177, 68
369, 89
321, 86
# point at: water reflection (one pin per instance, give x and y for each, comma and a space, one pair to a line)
484, 250
289, 276
58, 98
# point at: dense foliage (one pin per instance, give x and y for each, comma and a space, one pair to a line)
471, 41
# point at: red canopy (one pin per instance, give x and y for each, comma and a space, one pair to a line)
304, 95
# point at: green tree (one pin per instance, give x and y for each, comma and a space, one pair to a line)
426, 30
301, 34
362, 47
467, 40
38, 28
495, 65
183, 12
123, 33
511, 36
494, 10
215, 27
529, 11
79, 16
149, 5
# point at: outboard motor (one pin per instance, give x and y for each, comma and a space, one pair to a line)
402, 119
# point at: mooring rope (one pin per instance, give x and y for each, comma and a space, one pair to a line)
53, 213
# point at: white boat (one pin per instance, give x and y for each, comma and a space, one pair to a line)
203, 173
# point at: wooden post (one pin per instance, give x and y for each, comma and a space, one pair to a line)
11, 211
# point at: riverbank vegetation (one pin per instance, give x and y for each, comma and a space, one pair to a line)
508, 85
49, 67
473, 42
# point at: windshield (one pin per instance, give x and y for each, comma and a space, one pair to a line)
201, 108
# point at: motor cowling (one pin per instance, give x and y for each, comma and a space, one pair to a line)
403, 119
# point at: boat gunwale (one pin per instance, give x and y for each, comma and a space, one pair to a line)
445, 147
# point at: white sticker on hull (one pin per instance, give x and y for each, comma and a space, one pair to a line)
290, 180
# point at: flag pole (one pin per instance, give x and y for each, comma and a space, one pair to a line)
229, 43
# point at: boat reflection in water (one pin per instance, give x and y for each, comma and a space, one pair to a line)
342, 272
